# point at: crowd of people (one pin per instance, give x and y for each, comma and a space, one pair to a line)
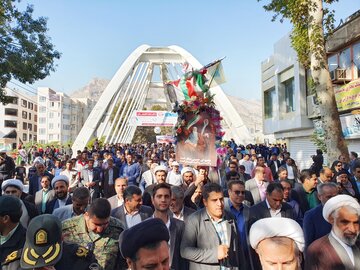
126, 206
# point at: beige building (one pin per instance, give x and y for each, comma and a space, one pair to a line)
61, 117
18, 122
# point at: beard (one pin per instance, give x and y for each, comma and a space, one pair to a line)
347, 238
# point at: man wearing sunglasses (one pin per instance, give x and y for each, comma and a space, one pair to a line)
236, 205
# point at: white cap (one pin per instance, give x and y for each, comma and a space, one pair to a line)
174, 163
60, 178
276, 227
160, 168
337, 202
187, 169
12, 182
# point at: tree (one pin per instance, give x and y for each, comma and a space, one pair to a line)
312, 20
26, 52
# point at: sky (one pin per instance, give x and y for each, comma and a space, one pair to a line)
96, 36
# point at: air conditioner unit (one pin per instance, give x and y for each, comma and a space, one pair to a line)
339, 75
313, 109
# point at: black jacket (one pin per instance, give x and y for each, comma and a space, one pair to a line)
16, 241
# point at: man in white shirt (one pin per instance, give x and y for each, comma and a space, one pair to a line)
337, 250
174, 176
249, 165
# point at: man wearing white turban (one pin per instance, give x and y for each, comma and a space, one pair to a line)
337, 250
278, 242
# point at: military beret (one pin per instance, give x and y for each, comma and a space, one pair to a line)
152, 230
60, 178
342, 171
12, 182
10, 205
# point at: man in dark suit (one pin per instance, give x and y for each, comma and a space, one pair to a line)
337, 250
274, 165
235, 204
272, 206
34, 181
110, 174
132, 211
305, 194
44, 195
60, 184
177, 207
91, 178
161, 199
10, 207
314, 225
203, 243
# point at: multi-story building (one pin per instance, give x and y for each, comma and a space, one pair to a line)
289, 108
61, 117
18, 122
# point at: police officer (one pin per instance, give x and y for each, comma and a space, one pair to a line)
45, 248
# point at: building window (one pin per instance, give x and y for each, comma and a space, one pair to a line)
10, 124
29, 116
24, 137
52, 104
42, 99
269, 99
10, 111
24, 115
30, 127
51, 137
51, 125
66, 127
356, 52
51, 115
345, 59
14, 100
289, 95
42, 120
333, 62
35, 129
35, 118
30, 106
24, 126
35, 109
23, 103
66, 116
42, 131
30, 137
42, 109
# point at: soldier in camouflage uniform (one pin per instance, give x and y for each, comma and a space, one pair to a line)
98, 232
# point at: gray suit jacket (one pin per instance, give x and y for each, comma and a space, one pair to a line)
39, 198
64, 212
119, 213
113, 202
251, 186
200, 243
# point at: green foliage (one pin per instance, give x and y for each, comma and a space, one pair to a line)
297, 12
90, 144
26, 52
319, 140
